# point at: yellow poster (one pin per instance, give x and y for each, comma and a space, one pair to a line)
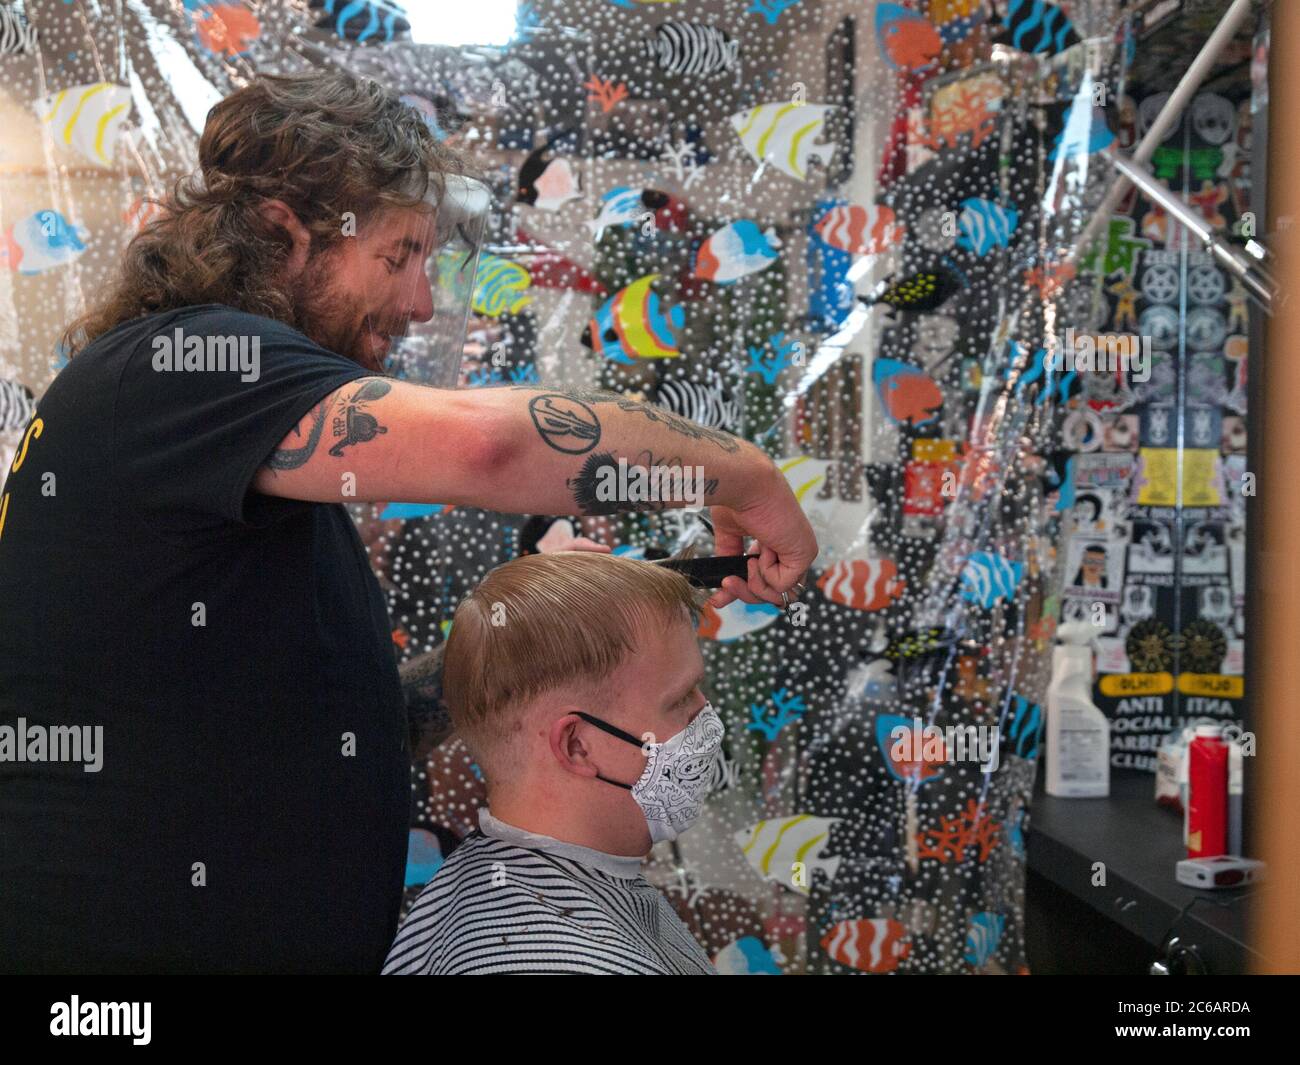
1160, 477
1201, 478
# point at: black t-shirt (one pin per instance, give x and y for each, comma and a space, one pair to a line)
251, 810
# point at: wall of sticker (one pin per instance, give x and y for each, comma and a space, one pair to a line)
1154, 501
842, 230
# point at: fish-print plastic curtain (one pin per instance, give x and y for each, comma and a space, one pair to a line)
838, 228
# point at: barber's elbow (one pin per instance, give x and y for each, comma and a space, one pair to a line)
482, 440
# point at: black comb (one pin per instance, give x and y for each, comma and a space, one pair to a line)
709, 571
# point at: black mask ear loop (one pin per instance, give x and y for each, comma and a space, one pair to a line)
613, 730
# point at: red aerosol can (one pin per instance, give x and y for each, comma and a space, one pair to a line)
1207, 799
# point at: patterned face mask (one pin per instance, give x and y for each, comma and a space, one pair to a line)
679, 772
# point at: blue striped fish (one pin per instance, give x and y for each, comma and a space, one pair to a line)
500, 286
360, 20
1036, 26
983, 936
985, 225
989, 578
691, 48
1026, 726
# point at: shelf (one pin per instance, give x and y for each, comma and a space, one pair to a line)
1139, 843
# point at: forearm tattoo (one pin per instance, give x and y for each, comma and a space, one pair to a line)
602, 468
350, 425
584, 399
565, 423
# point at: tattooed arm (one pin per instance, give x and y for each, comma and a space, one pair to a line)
543, 451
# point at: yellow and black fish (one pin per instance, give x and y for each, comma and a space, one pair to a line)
920, 643
926, 289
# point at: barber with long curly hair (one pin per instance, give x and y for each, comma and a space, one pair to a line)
178, 571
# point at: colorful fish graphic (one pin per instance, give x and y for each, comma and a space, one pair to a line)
624, 206
988, 578
87, 118
632, 324
735, 251
1026, 727
775, 848
919, 644
984, 225
746, 956
872, 944
711, 405
804, 473
785, 135
694, 49
909, 395
907, 39
500, 286
1036, 26
926, 289
546, 181
223, 29
983, 936
42, 241
860, 230
736, 619
362, 20
862, 583
917, 769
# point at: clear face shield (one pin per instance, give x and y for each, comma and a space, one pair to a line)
434, 263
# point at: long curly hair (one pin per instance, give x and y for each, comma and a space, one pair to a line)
325, 143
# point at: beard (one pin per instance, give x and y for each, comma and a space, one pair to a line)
335, 318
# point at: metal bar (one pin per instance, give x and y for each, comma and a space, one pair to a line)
1260, 285
1191, 81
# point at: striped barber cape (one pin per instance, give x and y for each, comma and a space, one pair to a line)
510, 901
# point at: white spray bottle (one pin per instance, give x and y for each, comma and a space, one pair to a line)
1078, 735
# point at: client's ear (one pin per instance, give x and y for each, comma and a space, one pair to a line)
567, 746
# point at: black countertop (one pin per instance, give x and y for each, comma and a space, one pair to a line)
1140, 843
